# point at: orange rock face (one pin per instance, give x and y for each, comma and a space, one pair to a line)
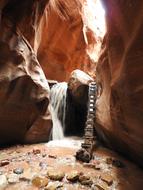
63, 47
119, 75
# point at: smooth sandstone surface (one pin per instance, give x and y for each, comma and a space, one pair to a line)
24, 89
119, 77
63, 47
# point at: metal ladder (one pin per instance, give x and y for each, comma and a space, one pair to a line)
85, 153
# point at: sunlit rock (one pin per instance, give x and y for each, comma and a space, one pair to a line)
40, 182
64, 47
12, 178
3, 181
78, 85
55, 175
73, 176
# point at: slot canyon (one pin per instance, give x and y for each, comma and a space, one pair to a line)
71, 95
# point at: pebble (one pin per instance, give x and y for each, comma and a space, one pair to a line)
18, 171
40, 181
3, 181
84, 177
44, 155
54, 186
87, 182
94, 187
52, 156
43, 165
4, 163
107, 178
89, 165
56, 175
97, 167
13, 178
115, 162
102, 187
73, 176
109, 160
36, 151
27, 175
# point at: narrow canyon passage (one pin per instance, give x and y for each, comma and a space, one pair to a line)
71, 95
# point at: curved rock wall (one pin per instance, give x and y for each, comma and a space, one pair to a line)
23, 86
63, 46
119, 76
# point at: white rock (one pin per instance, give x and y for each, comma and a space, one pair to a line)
13, 178
3, 182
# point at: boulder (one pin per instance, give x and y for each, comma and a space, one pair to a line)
77, 99
78, 86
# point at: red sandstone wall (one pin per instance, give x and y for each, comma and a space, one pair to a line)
23, 86
63, 46
119, 74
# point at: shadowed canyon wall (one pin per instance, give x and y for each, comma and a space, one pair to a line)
24, 116
120, 81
